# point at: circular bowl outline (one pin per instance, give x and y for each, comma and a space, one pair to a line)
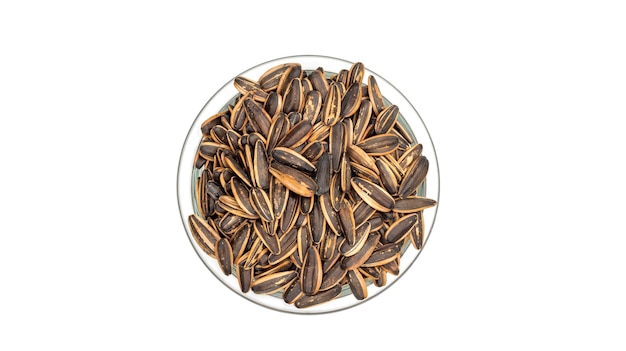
185, 186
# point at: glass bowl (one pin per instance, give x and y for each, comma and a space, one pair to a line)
187, 174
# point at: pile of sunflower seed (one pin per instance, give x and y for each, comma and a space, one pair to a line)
308, 183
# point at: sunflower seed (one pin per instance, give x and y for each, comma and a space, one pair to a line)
333, 277
294, 159
387, 178
262, 205
239, 241
413, 177
244, 277
260, 168
269, 80
273, 104
291, 212
322, 176
362, 233
375, 96
383, 255
363, 255
272, 283
224, 256
361, 157
257, 116
319, 298
386, 119
311, 275
245, 86
413, 204
312, 106
270, 241
293, 292
332, 218
317, 223
356, 73
379, 144
294, 98
297, 135
351, 100
400, 228
294, 180
236, 167
411, 154
241, 195
206, 234
417, 234
357, 284
313, 151
375, 196
346, 217
288, 245
279, 195
332, 105
278, 129
336, 143
318, 80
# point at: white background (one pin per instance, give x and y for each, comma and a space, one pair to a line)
525, 102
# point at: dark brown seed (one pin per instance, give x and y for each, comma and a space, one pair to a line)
236, 167
403, 130
312, 106
332, 243
417, 233
411, 154
294, 180
400, 229
346, 217
288, 245
248, 86
291, 212
317, 223
361, 157
311, 276
278, 129
356, 73
293, 98
208, 149
342, 77
293, 292
212, 121
306, 204
357, 284
218, 134
295, 72
260, 168
318, 80
224, 256
202, 242
362, 212
303, 240
351, 100
239, 241
379, 144
332, 218
332, 105
244, 277
230, 223
333, 277
319, 298
273, 282
207, 235
257, 116
293, 159
386, 119
346, 173
241, 194
297, 135
270, 241
336, 194
269, 80
412, 204
279, 195
363, 118
336, 142
313, 151
376, 222
414, 177
322, 176
363, 255
383, 255
375, 196
362, 232
392, 267
375, 96
273, 104
387, 177
262, 204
